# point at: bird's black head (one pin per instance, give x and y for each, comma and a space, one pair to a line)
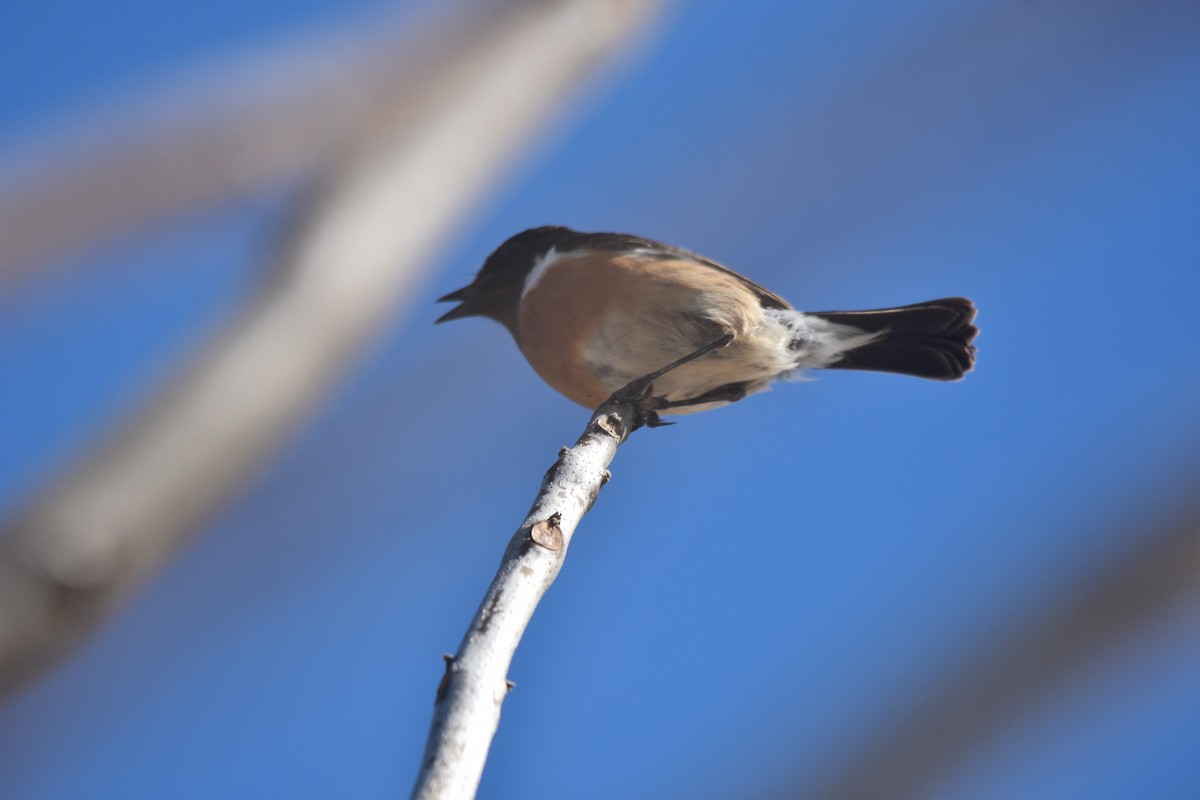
496, 290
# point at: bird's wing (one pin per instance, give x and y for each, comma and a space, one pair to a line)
625, 241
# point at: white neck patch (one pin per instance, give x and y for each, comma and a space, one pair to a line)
539, 269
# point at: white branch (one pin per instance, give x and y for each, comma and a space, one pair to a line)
394, 195
467, 708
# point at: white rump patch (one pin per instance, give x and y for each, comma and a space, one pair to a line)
814, 342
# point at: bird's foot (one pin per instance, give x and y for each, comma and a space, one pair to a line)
639, 394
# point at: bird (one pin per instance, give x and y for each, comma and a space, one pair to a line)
594, 312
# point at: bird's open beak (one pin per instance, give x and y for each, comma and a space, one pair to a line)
463, 309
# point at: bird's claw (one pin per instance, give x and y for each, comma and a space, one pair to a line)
639, 394
654, 421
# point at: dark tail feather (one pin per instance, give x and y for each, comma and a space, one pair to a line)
928, 340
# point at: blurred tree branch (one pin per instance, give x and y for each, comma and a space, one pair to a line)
229, 132
1147, 585
408, 166
235, 129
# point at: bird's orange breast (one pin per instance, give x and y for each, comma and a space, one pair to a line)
653, 309
558, 315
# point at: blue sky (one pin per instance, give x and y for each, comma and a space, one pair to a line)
762, 591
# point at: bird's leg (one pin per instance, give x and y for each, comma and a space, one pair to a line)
638, 390
729, 393
715, 344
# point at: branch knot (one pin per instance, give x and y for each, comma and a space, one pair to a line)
547, 533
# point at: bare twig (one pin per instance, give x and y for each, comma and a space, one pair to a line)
395, 193
467, 708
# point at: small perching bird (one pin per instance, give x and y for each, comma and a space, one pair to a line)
593, 312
